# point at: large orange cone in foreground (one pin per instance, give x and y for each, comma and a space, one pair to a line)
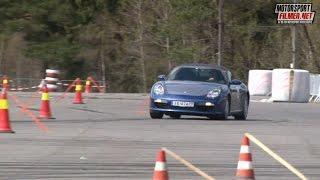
160, 171
45, 111
78, 94
245, 169
88, 85
4, 113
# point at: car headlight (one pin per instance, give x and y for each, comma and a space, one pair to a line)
158, 89
214, 93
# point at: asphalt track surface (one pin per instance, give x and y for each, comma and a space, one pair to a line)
112, 137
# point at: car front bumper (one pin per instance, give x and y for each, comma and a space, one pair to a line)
202, 106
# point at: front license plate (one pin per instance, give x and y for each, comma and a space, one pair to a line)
182, 104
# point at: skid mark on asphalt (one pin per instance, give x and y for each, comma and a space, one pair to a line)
61, 148
88, 110
80, 170
80, 121
33, 98
107, 120
29, 113
116, 170
31, 109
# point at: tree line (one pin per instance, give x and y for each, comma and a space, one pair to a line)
129, 42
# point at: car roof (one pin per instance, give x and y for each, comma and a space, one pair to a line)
202, 65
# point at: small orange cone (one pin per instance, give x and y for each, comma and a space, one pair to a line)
160, 171
78, 94
245, 169
4, 113
5, 83
45, 111
88, 85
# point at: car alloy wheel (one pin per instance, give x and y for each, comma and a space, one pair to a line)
243, 114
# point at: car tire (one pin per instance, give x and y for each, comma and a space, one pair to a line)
226, 112
244, 112
175, 116
156, 115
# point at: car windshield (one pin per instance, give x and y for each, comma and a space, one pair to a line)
197, 74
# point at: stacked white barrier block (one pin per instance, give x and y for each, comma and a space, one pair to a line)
260, 82
52, 79
284, 90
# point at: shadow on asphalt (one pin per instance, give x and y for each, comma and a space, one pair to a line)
71, 121
31, 109
229, 119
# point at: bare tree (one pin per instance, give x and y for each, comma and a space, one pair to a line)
140, 29
311, 48
102, 58
166, 11
134, 11
2, 51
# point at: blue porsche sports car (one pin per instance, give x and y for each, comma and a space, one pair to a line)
199, 90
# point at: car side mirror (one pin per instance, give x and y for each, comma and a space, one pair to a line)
235, 82
162, 77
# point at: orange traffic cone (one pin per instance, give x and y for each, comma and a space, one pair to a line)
78, 95
88, 85
5, 83
4, 113
45, 111
245, 169
160, 171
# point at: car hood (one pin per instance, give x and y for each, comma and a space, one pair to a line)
192, 88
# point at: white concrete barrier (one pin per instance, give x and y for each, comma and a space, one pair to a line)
260, 82
291, 85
